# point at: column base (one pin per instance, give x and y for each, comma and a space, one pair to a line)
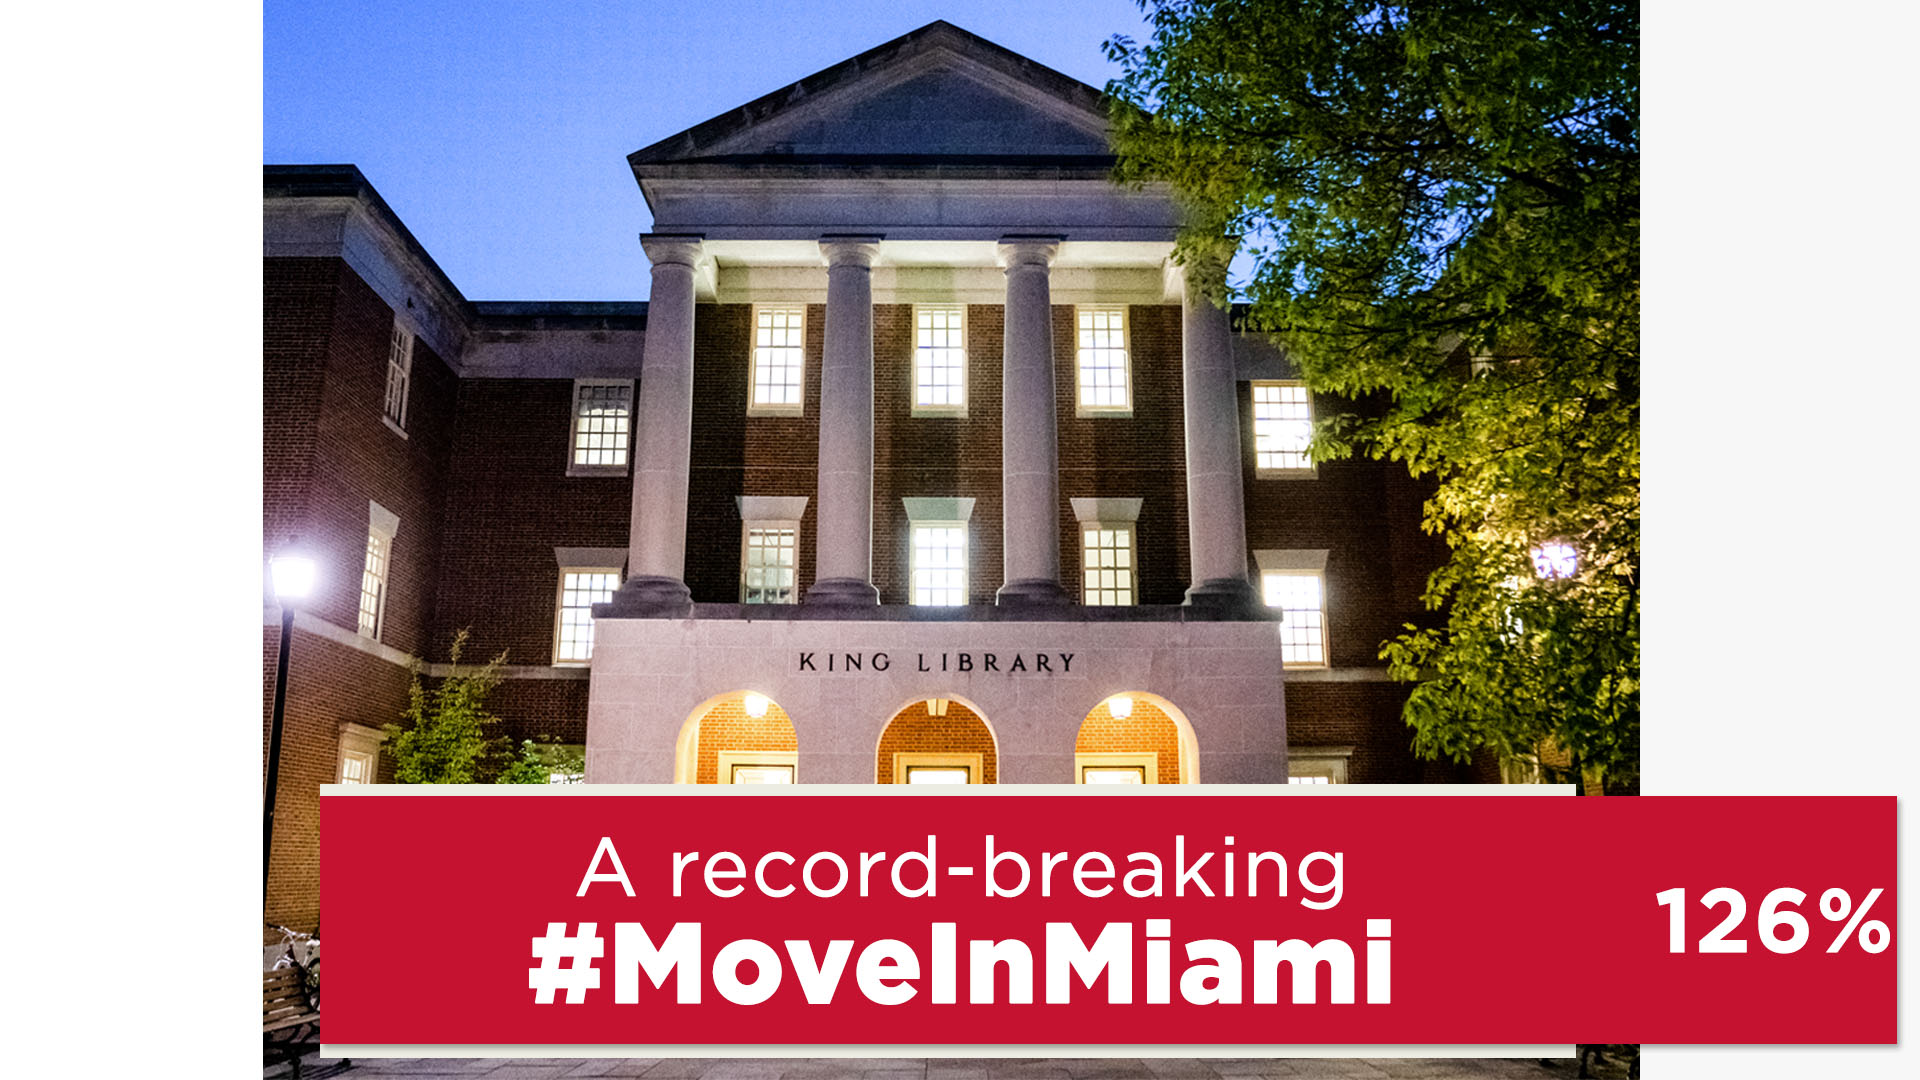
1228, 596
648, 596
843, 592
1033, 591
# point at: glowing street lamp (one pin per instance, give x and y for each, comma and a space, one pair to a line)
1556, 559
293, 577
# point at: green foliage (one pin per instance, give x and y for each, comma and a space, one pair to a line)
446, 738
539, 762
1441, 201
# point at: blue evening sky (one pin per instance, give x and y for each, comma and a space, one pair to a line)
498, 131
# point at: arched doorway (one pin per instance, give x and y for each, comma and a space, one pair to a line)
741, 737
937, 741
1135, 737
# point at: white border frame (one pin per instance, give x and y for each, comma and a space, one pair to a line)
1080, 408
753, 338
573, 430
560, 606
913, 367
1261, 472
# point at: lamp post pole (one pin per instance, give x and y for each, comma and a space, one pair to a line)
273, 739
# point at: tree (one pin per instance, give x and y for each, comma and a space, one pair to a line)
446, 739
1440, 201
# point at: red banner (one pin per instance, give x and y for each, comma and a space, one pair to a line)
669, 916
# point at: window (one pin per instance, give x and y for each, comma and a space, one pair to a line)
1282, 427
770, 565
757, 766
399, 376
602, 426
940, 563
359, 754
1107, 565
1104, 383
914, 768
580, 589
1303, 634
1141, 767
1317, 764
382, 526
939, 360
779, 360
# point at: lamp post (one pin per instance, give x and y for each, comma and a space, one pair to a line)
292, 580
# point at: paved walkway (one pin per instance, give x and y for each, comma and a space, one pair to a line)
945, 1068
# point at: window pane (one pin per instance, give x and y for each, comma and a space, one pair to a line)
779, 339
763, 774
930, 774
579, 591
373, 584
1303, 626
1282, 426
939, 358
1103, 358
1107, 565
772, 566
1309, 780
1128, 774
602, 422
940, 564
399, 373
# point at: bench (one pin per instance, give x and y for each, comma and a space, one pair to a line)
290, 1021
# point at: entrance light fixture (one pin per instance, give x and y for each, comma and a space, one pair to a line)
1121, 706
756, 705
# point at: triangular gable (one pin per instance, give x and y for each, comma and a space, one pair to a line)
937, 93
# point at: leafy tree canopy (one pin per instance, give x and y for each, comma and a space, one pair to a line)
449, 735
1441, 204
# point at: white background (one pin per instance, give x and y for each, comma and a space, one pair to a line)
1780, 379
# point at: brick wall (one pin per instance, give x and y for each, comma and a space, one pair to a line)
509, 503
1148, 729
1366, 716
298, 307
726, 726
915, 731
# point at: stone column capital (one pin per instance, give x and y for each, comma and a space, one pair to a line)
840, 250
1029, 251
672, 249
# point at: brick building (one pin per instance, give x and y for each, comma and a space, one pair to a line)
922, 463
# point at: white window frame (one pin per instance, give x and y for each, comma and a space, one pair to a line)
913, 561
1145, 760
754, 407
1109, 513
975, 764
1318, 764
575, 467
1300, 563
958, 409
358, 741
1081, 407
1132, 567
560, 610
728, 760
747, 529
1261, 471
393, 409
383, 526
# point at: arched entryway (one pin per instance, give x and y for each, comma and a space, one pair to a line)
937, 741
1135, 738
741, 737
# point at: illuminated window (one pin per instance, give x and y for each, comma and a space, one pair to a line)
1138, 767
779, 363
399, 376
1303, 628
919, 768
602, 426
940, 563
1104, 383
359, 754
1107, 565
940, 360
1317, 764
580, 589
770, 563
382, 526
1282, 427
757, 766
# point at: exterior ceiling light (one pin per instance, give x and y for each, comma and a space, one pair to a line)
1121, 706
757, 705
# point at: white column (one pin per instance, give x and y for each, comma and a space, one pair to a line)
843, 559
1216, 510
663, 423
1029, 443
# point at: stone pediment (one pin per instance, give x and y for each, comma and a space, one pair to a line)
938, 96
